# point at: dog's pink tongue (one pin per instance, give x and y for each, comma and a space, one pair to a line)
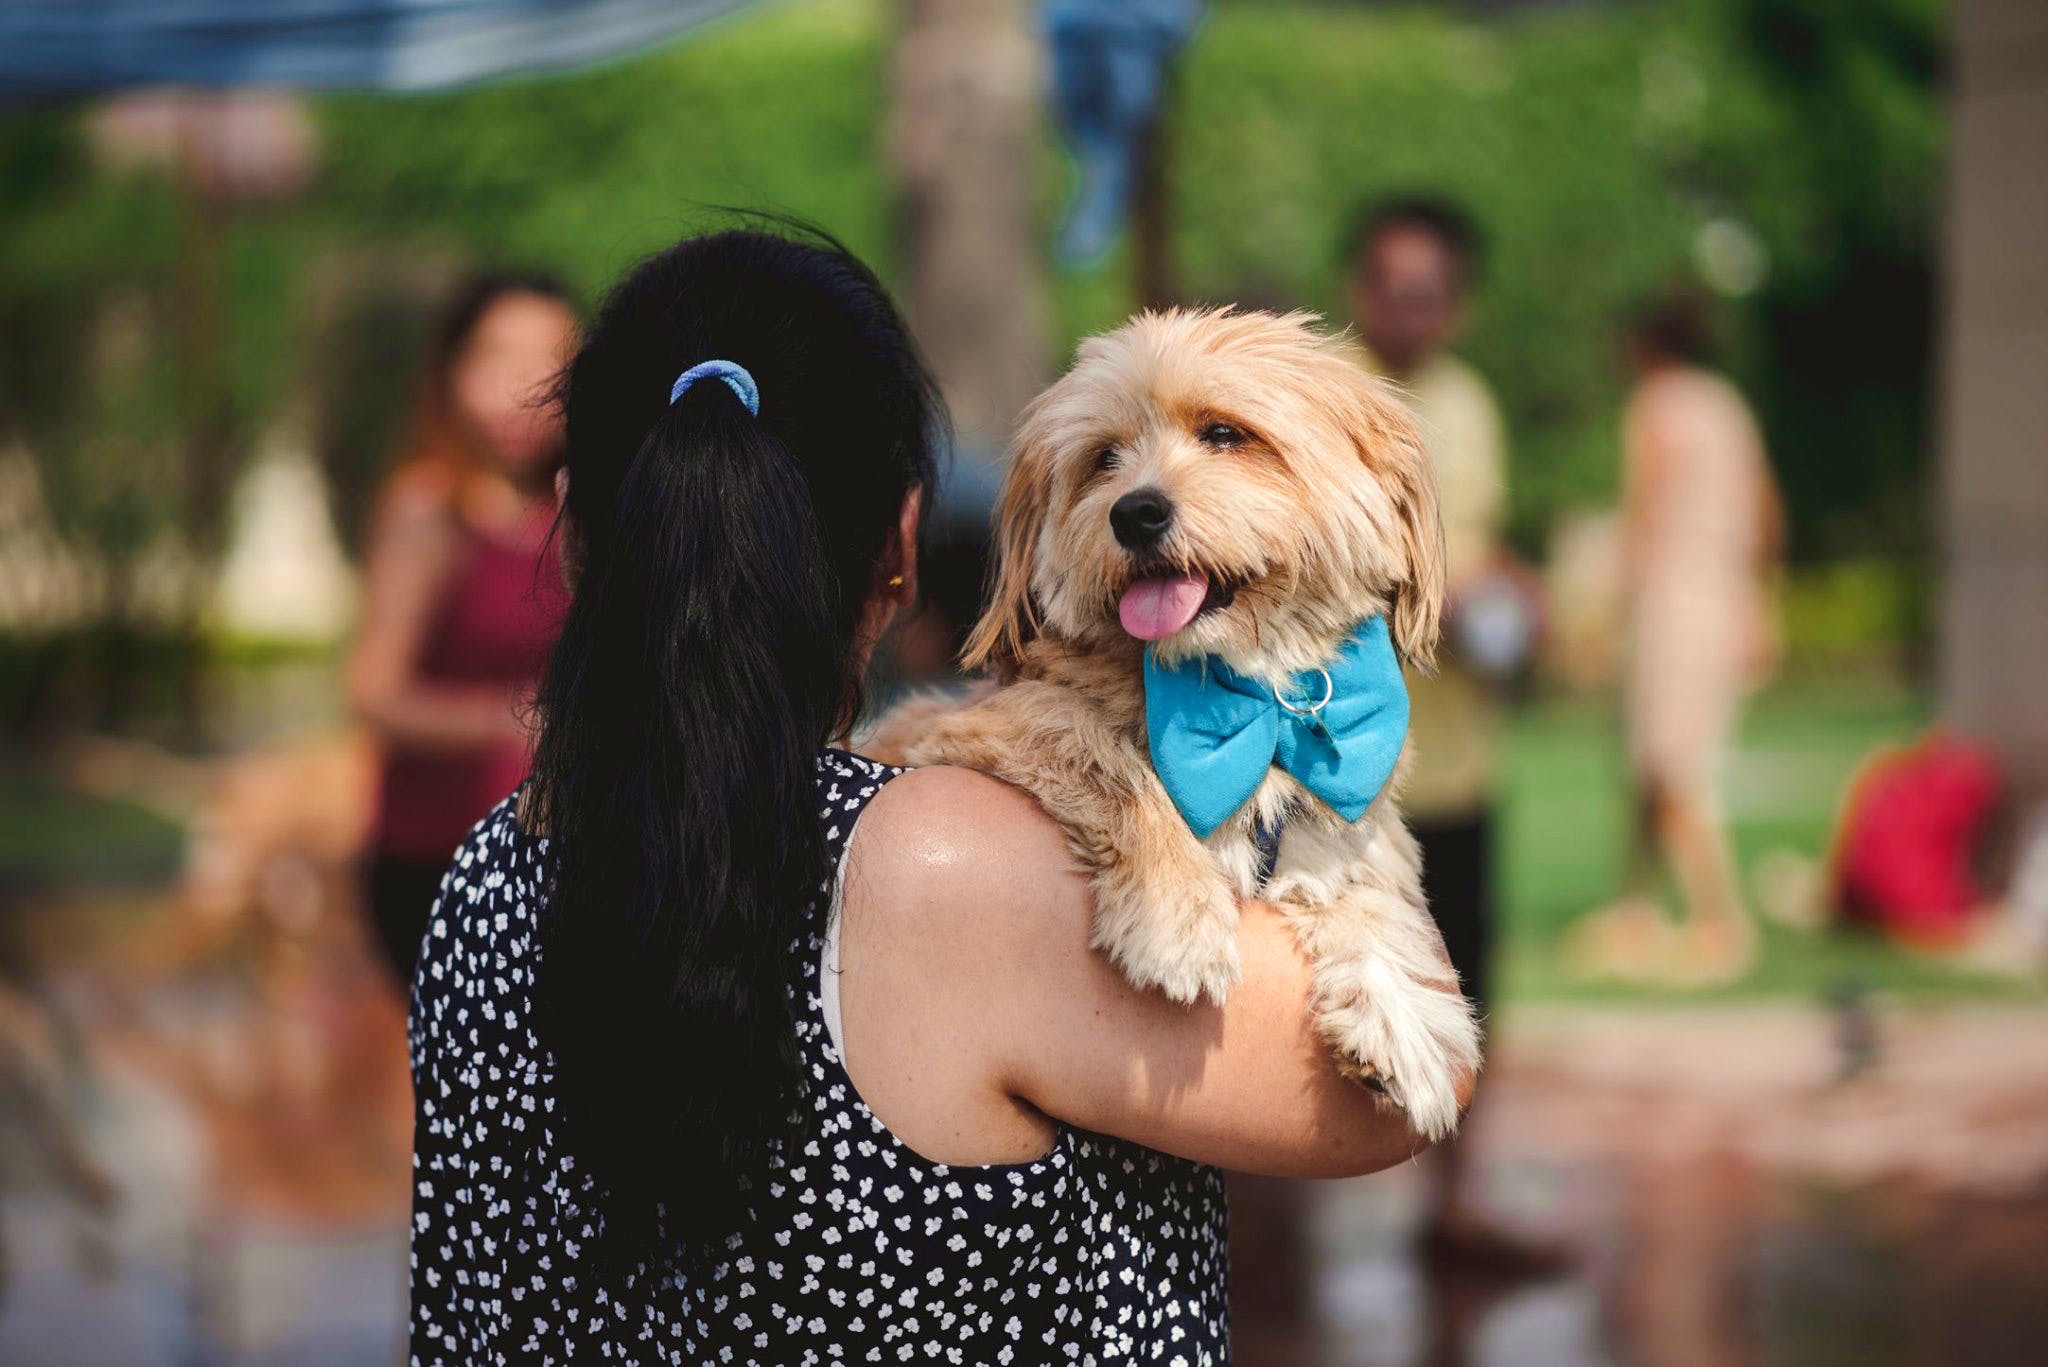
1153, 609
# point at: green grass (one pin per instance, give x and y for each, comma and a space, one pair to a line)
1564, 825
50, 836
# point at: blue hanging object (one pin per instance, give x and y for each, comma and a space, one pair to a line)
1338, 729
1109, 60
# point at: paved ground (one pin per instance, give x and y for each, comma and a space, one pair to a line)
245, 1096
1733, 1197
1737, 1190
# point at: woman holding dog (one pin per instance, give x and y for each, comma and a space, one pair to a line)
730, 1045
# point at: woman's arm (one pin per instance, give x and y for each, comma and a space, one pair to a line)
974, 1007
411, 553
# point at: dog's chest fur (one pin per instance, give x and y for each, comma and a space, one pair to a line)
1320, 852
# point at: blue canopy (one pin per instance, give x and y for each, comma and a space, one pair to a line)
59, 47
1108, 58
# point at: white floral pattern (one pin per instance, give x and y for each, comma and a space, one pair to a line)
856, 1249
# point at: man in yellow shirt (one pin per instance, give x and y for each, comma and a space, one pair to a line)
1411, 262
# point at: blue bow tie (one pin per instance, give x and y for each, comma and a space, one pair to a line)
1215, 733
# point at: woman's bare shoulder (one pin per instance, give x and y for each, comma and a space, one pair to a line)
971, 851
948, 818
417, 502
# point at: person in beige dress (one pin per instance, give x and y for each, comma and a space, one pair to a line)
1702, 533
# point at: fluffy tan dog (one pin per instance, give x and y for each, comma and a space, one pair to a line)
1229, 485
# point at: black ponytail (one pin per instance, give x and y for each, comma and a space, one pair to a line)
710, 651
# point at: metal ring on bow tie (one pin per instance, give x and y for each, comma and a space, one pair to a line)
1314, 708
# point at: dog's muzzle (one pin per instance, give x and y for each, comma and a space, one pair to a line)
1141, 519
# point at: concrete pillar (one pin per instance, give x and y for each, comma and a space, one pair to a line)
1994, 680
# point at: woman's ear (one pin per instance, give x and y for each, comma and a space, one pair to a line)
1011, 619
896, 576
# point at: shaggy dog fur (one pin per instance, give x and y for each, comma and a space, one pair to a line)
1301, 492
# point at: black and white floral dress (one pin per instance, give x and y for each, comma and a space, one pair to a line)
857, 1251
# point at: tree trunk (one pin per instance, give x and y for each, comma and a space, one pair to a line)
967, 82
1151, 213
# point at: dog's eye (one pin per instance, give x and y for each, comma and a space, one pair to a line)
1221, 435
1106, 459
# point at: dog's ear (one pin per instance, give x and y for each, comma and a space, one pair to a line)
1419, 602
1391, 445
1011, 618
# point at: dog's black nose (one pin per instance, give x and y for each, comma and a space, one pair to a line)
1140, 518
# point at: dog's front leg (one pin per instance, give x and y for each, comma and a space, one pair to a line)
1165, 910
1386, 998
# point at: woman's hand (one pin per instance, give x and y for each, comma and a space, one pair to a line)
974, 1007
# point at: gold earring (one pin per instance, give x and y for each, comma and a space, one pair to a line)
896, 582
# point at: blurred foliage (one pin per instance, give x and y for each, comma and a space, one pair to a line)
107, 672
1609, 153
1786, 150
373, 342
52, 836
1857, 616
85, 270
781, 110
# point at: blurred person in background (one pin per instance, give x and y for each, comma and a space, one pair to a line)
1412, 261
462, 592
1702, 535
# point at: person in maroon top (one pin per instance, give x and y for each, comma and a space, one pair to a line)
462, 594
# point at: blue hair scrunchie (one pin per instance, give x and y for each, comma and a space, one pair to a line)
735, 376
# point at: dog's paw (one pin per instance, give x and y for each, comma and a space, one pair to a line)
1185, 948
1413, 1042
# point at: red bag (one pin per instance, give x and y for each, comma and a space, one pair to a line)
1905, 854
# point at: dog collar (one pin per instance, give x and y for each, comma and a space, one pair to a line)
1337, 729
